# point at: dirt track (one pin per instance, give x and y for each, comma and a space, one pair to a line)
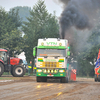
26, 88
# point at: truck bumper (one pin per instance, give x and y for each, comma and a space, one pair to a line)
58, 74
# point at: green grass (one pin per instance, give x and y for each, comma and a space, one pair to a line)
6, 78
6, 73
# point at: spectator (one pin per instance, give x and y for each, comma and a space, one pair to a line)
29, 68
34, 69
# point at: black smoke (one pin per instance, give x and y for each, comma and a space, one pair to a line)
78, 13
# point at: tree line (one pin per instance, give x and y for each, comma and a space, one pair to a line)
21, 27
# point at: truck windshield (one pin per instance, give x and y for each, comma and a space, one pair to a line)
3, 56
51, 52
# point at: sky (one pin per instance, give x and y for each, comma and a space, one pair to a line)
51, 5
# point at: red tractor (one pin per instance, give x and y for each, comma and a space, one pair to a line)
11, 64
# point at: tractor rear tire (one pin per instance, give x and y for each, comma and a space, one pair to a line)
12, 71
1, 69
18, 71
95, 78
24, 70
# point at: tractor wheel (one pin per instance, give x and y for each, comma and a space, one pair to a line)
18, 71
38, 79
24, 70
12, 71
96, 78
64, 80
1, 69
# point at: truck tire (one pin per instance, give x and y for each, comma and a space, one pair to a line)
64, 80
98, 78
38, 79
44, 79
1, 69
18, 71
95, 78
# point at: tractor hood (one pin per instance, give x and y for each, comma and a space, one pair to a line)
15, 61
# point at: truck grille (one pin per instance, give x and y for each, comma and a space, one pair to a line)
51, 64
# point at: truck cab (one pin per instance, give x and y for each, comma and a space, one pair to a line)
51, 55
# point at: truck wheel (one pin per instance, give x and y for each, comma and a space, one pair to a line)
99, 78
96, 78
64, 80
38, 79
18, 71
1, 69
44, 79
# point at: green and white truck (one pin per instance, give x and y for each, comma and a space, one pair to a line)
51, 59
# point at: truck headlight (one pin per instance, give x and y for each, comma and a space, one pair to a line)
44, 71
61, 71
51, 71
39, 70
55, 71
48, 71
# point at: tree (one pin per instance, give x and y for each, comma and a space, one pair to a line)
40, 24
23, 12
13, 41
15, 19
3, 22
10, 36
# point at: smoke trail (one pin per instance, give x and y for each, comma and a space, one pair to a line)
78, 13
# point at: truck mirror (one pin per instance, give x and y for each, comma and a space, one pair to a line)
68, 53
34, 51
